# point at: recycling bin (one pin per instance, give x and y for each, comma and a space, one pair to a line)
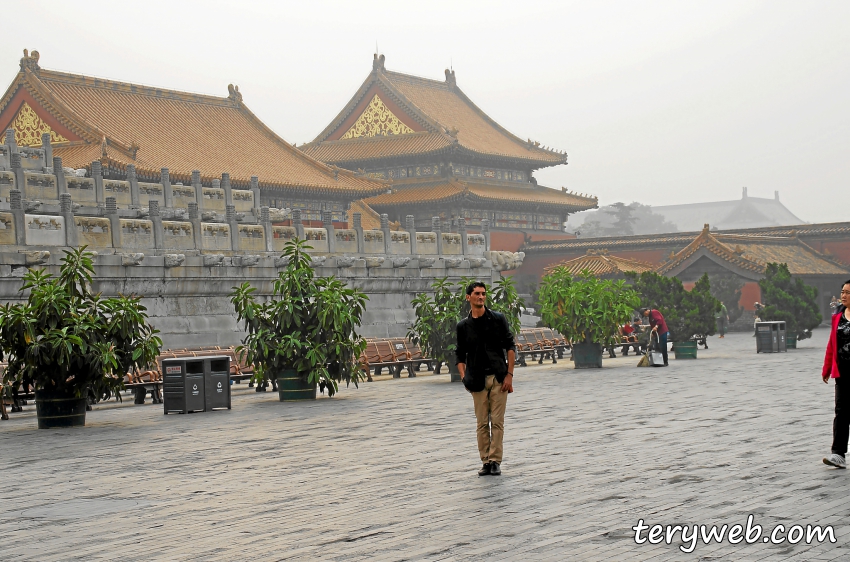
183, 385
217, 382
770, 337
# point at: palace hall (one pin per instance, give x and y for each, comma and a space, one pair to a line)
119, 124
445, 157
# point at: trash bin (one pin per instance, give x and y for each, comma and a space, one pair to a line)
183, 385
770, 337
217, 382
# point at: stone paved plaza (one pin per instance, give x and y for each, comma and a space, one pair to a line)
388, 471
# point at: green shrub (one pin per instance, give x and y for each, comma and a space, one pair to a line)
69, 339
435, 328
308, 325
689, 314
585, 309
790, 300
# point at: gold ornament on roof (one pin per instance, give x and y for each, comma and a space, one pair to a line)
29, 127
376, 120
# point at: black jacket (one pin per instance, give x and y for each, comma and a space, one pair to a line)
481, 346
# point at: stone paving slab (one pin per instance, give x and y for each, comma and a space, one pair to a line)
388, 471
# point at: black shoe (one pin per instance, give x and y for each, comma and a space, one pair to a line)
494, 469
485, 470
666, 364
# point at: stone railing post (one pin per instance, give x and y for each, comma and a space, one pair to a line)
410, 224
114, 221
357, 219
438, 230
297, 224
10, 141
385, 228
16, 205
328, 223
156, 220
66, 208
167, 192
59, 174
255, 188
230, 217
461, 229
48, 148
228, 190
199, 189
485, 230
133, 180
268, 230
97, 175
18, 170
195, 219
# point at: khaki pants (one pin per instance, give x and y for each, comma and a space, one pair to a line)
490, 413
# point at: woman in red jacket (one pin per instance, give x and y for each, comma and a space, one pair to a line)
836, 365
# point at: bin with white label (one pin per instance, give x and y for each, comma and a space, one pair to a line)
217, 382
183, 385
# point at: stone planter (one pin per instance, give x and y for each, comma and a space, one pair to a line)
685, 349
291, 387
59, 409
791, 341
587, 355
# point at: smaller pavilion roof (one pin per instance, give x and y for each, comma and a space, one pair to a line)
456, 190
749, 255
601, 264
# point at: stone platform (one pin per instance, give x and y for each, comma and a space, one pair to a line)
388, 471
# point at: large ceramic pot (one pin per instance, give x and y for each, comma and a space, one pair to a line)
59, 409
685, 349
587, 355
791, 341
292, 387
454, 373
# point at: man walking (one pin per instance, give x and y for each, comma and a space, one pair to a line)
659, 327
483, 338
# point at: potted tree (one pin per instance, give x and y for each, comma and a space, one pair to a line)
305, 335
588, 311
789, 300
437, 315
69, 343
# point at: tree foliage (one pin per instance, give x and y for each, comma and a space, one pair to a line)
689, 314
726, 287
67, 338
790, 300
437, 315
620, 219
585, 309
308, 325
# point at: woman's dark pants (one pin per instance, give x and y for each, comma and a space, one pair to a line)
841, 423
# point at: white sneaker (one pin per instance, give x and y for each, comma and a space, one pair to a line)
835, 460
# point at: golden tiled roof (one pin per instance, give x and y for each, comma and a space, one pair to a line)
369, 219
753, 253
440, 108
600, 264
453, 189
154, 128
365, 148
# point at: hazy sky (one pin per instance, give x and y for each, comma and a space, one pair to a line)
658, 102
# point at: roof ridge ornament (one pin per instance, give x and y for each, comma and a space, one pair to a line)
451, 81
378, 63
233, 93
30, 61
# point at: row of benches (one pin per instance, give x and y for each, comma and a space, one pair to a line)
394, 354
